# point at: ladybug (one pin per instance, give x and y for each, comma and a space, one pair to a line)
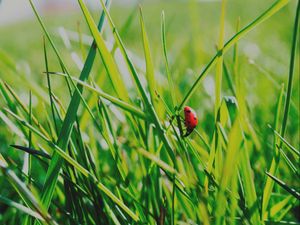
190, 120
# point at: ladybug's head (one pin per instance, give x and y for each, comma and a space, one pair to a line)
187, 109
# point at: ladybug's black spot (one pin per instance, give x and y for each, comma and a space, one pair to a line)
195, 118
188, 111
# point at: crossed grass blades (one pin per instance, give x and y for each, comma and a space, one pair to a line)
116, 157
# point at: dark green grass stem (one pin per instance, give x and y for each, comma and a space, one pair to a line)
291, 73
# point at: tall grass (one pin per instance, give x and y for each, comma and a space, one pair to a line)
101, 152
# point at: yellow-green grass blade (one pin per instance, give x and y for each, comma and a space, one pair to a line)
151, 111
288, 161
279, 207
100, 77
287, 144
291, 72
248, 185
264, 16
65, 132
29, 198
122, 104
77, 166
219, 61
21, 208
275, 161
216, 154
49, 86
149, 64
292, 191
106, 56
229, 169
157, 161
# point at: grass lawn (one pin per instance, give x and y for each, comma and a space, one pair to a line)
93, 128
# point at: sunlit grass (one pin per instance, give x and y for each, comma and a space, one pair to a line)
100, 144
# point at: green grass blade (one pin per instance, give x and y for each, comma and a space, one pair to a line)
149, 64
229, 169
291, 72
216, 154
31, 151
249, 187
275, 161
157, 161
288, 145
21, 208
285, 186
107, 58
279, 207
77, 166
65, 132
164, 44
151, 111
122, 104
31, 200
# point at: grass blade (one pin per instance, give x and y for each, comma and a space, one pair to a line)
21, 208
65, 132
285, 186
149, 64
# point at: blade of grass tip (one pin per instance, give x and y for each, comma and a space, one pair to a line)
282, 213
275, 161
152, 113
279, 207
264, 16
157, 161
49, 86
31, 151
149, 64
164, 45
107, 58
76, 165
291, 72
288, 161
65, 132
21, 208
289, 146
284, 186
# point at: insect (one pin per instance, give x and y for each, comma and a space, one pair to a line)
190, 120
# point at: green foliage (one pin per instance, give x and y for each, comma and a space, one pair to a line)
99, 144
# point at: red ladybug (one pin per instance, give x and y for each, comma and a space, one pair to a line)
190, 120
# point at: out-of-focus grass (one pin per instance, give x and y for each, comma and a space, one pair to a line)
114, 156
